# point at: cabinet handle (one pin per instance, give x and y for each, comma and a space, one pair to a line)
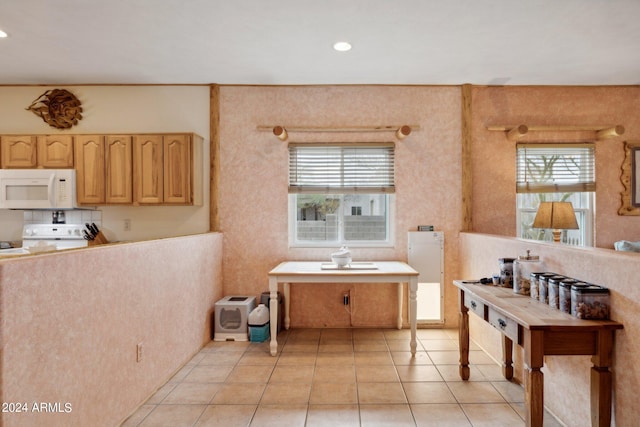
473, 305
502, 323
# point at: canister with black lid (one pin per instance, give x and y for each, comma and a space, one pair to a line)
522, 268
590, 302
543, 287
564, 300
534, 287
553, 290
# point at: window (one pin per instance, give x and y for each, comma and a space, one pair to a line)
550, 172
340, 194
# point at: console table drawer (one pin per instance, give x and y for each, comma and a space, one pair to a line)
504, 324
473, 304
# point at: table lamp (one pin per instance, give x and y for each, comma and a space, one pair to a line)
556, 215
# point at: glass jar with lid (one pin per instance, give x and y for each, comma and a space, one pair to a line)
590, 302
523, 266
535, 290
543, 287
564, 299
553, 290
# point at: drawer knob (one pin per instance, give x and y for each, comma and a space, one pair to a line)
474, 305
502, 323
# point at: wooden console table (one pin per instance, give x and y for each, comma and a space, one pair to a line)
313, 272
541, 331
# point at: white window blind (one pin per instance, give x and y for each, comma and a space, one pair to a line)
551, 167
341, 168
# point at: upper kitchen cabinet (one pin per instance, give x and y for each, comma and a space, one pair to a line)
55, 151
90, 176
18, 151
148, 168
118, 169
103, 169
167, 169
41, 151
139, 169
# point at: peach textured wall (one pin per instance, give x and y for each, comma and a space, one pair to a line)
254, 176
71, 322
494, 155
566, 388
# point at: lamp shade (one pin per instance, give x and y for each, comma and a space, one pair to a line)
556, 215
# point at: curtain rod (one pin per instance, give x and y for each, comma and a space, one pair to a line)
282, 131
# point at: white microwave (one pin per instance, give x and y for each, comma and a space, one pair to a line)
37, 189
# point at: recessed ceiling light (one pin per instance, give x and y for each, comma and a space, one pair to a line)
3, 34
342, 46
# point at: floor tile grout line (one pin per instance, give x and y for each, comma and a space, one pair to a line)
248, 350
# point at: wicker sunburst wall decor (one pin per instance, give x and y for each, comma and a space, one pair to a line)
59, 108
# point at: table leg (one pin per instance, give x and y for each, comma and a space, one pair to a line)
273, 313
533, 378
507, 357
601, 381
463, 338
400, 295
287, 292
413, 312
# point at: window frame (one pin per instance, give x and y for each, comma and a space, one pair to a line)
337, 169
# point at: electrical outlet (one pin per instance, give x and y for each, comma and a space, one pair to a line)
127, 225
139, 352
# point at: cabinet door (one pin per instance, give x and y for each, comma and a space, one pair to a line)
118, 169
18, 151
55, 151
177, 169
90, 176
147, 169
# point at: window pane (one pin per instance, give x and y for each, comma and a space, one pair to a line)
341, 218
317, 217
528, 206
370, 223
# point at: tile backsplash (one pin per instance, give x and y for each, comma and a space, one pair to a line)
75, 216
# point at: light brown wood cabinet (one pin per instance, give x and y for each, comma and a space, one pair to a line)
177, 169
118, 169
103, 169
148, 180
41, 151
90, 176
55, 151
143, 169
167, 170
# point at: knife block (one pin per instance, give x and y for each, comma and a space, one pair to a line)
99, 240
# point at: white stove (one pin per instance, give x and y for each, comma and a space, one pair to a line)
46, 237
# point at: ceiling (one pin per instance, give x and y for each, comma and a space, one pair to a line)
289, 42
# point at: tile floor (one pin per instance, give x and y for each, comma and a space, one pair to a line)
337, 377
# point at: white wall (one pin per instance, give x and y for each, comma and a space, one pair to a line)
121, 109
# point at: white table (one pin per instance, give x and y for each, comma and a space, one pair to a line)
313, 272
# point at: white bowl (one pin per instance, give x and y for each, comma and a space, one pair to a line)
341, 260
